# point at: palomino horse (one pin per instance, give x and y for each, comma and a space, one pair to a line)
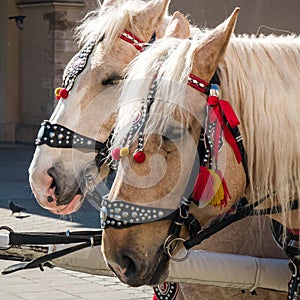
156, 142
57, 174
53, 168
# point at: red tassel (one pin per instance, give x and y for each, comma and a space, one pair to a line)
211, 186
154, 297
203, 188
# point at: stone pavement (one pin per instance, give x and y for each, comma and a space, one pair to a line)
57, 283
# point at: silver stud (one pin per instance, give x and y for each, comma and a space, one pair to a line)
51, 134
103, 213
117, 210
134, 214
60, 136
125, 214
160, 214
118, 217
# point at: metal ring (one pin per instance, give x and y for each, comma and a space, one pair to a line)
168, 248
10, 231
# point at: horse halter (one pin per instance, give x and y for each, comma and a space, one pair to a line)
121, 214
58, 136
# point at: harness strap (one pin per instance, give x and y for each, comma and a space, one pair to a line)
84, 238
44, 260
47, 238
226, 219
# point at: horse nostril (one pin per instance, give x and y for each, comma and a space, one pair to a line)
50, 199
53, 184
129, 266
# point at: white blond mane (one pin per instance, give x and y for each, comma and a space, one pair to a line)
260, 77
108, 22
158, 61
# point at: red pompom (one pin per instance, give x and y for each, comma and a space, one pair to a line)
204, 185
115, 154
139, 156
63, 93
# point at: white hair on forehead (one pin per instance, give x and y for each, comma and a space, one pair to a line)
168, 63
108, 21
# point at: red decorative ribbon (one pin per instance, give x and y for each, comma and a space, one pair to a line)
132, 39
218, 109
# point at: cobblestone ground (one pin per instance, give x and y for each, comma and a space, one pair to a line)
57, 283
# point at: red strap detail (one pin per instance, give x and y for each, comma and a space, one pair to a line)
198, 83
220, 108
295, 232
134, 40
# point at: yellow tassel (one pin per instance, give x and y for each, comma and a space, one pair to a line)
218, 190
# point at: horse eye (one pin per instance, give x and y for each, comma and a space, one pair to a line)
174, 133
113, 80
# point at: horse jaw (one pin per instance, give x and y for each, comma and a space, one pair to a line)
142, 264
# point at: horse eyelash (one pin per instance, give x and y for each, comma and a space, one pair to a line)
112, 80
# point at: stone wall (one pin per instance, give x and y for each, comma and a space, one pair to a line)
32, 59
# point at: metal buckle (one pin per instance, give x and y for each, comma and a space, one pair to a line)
9, 231
169, 248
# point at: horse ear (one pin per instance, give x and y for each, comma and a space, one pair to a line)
178, 27
149, 18
109, 2
212, 48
